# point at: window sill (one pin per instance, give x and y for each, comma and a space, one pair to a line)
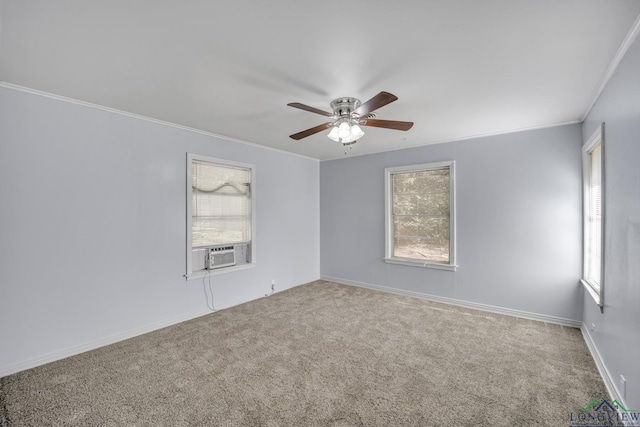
416, 263
595, 295
205, 273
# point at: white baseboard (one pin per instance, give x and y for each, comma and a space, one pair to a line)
112, 339
604, 372
484, 307
92, 345
609, 381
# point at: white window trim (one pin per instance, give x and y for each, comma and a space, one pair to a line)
587, 148
388, 202
190, 274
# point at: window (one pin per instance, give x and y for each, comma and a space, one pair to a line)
420, 215
220, 214
593, 224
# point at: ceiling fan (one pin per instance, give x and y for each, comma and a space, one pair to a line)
347, 117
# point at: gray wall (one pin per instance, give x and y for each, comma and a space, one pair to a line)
92, 219
616, 334
519, 221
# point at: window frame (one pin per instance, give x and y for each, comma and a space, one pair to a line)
596, 290
191, 157
389, 235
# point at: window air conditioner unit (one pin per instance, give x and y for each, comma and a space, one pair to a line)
223, 256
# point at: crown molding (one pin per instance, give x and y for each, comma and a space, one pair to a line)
613, 66
462, 138
145, 118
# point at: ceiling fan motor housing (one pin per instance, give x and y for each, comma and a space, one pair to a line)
343, 107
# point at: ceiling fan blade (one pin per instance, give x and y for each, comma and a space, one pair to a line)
388, 124
380, 100
311, 131
311, 109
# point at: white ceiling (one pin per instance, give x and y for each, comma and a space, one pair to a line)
460, 68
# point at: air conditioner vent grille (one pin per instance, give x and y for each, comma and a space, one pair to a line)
221, 256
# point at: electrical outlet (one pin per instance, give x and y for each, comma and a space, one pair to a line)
623, 387
593, 327
273, 288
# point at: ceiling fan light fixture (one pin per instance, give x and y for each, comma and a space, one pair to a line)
345, 132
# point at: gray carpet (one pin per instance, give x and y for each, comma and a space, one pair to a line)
320, 354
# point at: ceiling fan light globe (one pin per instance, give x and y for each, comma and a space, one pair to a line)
344, 131
333, 134
356, 132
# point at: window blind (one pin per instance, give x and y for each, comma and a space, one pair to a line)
221, 204
594, 226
